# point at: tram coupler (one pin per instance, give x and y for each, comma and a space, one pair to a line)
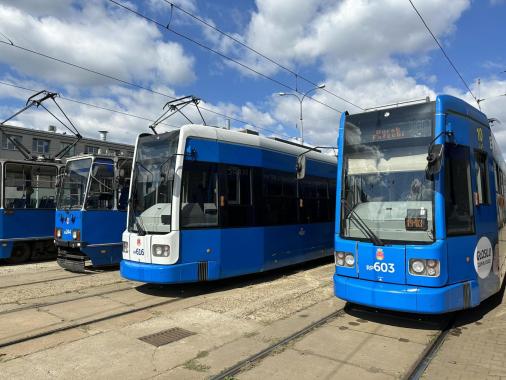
71, 262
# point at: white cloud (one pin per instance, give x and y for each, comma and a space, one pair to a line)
364, 50
106, 39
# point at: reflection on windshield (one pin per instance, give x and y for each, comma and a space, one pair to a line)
384, 178
153, 178
73, 186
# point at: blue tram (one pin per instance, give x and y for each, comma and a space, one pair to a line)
208, 203
91, 210
420, 208
27, 209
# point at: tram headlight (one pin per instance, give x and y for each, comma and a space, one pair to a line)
344, 259
417, 266
57, 233
125, 247
349, 260
424, 267
161, 250
76, 234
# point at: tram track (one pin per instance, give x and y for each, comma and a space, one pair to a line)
419, 367
415, 372
54, 303
251, 360
80, 275
70, 326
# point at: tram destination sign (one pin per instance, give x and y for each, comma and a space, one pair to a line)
401, 123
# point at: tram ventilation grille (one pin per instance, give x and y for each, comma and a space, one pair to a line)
166, 336
202, 271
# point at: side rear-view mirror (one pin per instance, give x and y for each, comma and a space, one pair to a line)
301, 166
434, 160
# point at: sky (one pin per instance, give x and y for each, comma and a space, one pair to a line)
366, 52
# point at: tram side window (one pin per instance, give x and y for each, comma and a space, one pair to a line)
101, 193
29, 186
199, 207
458, 200
236, 203
315, 204
278, 198
482, 178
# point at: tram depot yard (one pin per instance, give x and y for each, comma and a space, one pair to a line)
283, 324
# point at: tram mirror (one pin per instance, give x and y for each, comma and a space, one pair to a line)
301, 167
434, 160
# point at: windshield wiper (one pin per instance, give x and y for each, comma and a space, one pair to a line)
362, 226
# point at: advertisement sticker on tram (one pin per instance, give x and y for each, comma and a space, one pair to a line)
483, 257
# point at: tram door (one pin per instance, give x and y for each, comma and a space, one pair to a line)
484, 257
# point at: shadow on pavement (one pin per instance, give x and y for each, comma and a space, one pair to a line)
197, 288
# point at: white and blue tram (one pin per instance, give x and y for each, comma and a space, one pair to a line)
420, 208
208, 203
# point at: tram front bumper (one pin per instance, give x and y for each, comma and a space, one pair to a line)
407, 298
169, 274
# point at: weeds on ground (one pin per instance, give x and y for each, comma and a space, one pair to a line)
194, 365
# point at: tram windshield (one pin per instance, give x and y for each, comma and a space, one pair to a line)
150, 207
384, 181
72, 188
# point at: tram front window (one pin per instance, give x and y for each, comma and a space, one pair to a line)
101, 193
384, 181
153, 177
73, 184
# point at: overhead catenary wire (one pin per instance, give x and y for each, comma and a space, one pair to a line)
119, 80
444, 52
246, 46
222, 55
88, 104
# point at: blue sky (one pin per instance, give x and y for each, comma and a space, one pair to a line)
369, 52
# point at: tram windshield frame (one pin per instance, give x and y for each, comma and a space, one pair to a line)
383, 175
73, 185
151, 199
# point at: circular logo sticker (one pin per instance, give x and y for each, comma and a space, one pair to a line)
483, 256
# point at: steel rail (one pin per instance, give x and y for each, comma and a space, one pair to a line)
418, 369
235, 369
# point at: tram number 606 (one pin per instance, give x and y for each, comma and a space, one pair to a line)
382, 267
139, 251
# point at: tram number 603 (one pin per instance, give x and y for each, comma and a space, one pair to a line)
382, 267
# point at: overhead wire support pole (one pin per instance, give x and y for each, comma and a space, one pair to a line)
444, 52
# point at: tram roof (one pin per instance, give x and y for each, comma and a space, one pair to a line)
253, 140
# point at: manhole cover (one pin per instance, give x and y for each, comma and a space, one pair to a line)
166, 336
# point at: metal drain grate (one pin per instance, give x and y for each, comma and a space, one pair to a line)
166, 336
